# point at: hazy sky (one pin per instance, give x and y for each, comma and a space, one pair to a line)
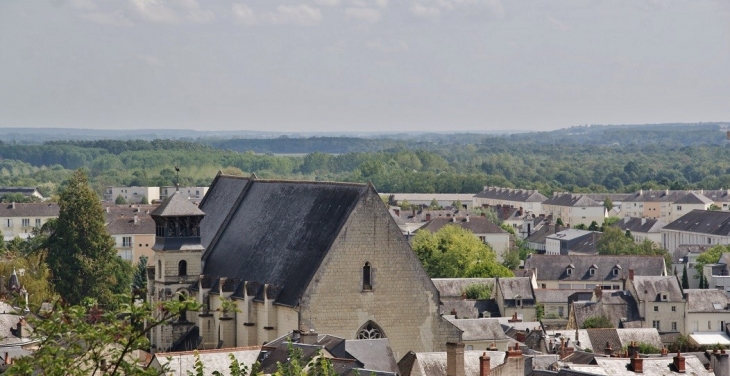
362, 65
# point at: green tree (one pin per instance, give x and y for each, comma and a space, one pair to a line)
593, 226
457, 204
685, 279
144, 201
608, 203
710, 256
81, 254
714, 207
614, 242
453, 252
434, 205
120, 200
479, 291
559, 222
139, 280
511, 259
597, 322
628, 234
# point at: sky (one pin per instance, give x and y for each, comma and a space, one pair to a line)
362, 65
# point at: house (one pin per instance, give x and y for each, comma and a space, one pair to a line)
409, 221
718, 275
572, 241
665, 365
697, 227
25, 191
580, 272
133, 235
19, 219
457, 362
486, 231
660, 301
515, 296
684, 258
425, 199
528, 200
454, 300
482, 334
537, 237
194, 194
666, 205
707, 313
642, 228
291, 255
556, 303
574, 209
132, 195
687, 203
720, 197
619, 307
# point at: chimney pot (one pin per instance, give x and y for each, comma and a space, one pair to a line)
679, 362
484, 365
637, 364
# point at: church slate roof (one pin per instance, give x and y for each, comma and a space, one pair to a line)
177, 206
218, 203
278, 232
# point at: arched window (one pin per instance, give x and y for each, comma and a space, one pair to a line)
159, 269
182, 268
367, 277
370, 331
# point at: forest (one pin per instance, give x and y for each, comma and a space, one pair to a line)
577, 159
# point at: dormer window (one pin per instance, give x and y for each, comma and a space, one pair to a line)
615, 272
592, 270
569, 271
665, 297
518, 301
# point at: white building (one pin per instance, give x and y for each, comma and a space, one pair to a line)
697, 227
132, 195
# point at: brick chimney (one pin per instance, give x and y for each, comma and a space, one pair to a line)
637, 364
484, 365
514, 318
665, 352
679, 362
520, 336
631, 274
514, 352
608, 350
428, 217
492, 347
455, 359
633, 349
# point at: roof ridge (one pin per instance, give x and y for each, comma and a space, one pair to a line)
321, 182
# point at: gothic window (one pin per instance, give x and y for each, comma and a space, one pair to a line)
370, 331
367, 277
182, 268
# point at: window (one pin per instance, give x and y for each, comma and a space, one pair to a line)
125, 254
518, 303
25, 222
126, 241
569, 271
656, 308
665, 297
182, 268
709, 240
674, 325
679, 207
370, 331
709, 325
592, 271
159, 268
367, 277
655, 324
469, 347
37, 222
615, 271
8, 223
561, 311
674, 308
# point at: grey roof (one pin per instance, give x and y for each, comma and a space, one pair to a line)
289, 227
455, 287
574, 200
712, 222
560, 296
218, 204
707, 301
641, 225
375, 354
657, 196
510, 194
541, 234
126, 225
650, 288
601, 337
569, 234
477, 225
693, 198
469, 308
652, 366
639, 335
553, 267
685, 249
177, 205
214, 360
617, 306
718, 195
479, 329
434, 363
586, 245
615, 197
511, 288
30, 209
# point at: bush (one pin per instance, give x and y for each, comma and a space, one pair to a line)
597, 322
479, 291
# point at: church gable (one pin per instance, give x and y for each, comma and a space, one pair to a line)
279, 232
372, 285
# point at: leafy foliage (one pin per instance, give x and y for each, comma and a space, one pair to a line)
710, 256
615, 242
597, 322
81, 254
453, 252
479, 291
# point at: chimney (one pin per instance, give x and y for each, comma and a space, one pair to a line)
455, 359
520, 336
513, 353
720, 363
598, 291
637, 364
514, 318
492, 347
633, 349
608, 350
9, 361
397, 212
631, 274
428, 217
665, 352
484, 365
136, 219
308, 338
12, 205
679, 362
22, 328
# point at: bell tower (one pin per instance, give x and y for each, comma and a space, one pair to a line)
176, 264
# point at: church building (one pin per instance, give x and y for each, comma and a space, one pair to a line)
266, 257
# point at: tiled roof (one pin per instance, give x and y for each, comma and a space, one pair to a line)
685, 249
477, 225
653, 366
177, 206
707, 301
126, 225
712, 222
657, 196
214, 360
693, 198
375, 354
478, 329
554, 267
509, 194
561, 296
289, 226
639, 335
469, 308
617, 306
574, 200
719, 195
454, 287
40, 209
650, 288
514, 287
642, 225
601, 338
434, 363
